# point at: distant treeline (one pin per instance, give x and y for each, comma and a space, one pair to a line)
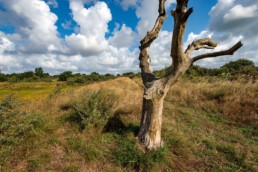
242, 69
67, 76
239, 69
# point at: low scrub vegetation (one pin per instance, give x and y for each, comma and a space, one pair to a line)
235, 100
209, 125
94, 110
17, 128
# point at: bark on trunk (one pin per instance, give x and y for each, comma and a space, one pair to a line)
151, 122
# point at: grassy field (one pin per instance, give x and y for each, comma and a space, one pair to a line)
209, 125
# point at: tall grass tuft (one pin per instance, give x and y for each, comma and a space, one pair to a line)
236, 100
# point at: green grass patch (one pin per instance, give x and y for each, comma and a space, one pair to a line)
236, 159
214, 117
126, 154
88, 151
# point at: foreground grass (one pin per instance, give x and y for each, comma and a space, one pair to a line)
92, 128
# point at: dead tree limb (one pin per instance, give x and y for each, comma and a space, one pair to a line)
229, 51
145, 64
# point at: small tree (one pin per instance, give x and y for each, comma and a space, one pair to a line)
155, 89
3, 77
65, 75
39, 72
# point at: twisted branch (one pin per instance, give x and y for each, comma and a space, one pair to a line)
205, 43
153, 34
147, 41
229, 51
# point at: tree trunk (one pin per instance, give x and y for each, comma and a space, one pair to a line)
152, 110
151, 122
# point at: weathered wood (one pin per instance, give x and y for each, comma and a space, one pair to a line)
155, 89
229, 51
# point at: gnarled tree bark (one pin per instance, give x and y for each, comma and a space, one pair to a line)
155, 89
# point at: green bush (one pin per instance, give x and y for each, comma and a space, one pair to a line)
3, 78
77, 80
195, 70
94, 111
237, 65
39, 72
129, 74
64, 76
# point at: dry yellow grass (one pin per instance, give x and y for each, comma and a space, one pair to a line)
234, 99
194, 139
128, 101
127, 92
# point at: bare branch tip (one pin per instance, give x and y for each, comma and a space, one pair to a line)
188, 13
240, 43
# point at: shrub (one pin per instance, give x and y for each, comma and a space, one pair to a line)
195, 70
237, 65
8, 114
96, 111
64, 76
16, 126
129, 74
77, 80
39, 72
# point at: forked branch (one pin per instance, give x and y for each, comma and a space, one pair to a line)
229, 51
153, 34
181, 15
188, 13
147, 41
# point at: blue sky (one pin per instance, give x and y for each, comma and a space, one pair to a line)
103, 36
129, 17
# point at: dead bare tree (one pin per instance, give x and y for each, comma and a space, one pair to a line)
155, 89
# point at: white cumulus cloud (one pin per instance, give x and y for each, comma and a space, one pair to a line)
93, 25
123, 37
235, 19
37, 24
239, 12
